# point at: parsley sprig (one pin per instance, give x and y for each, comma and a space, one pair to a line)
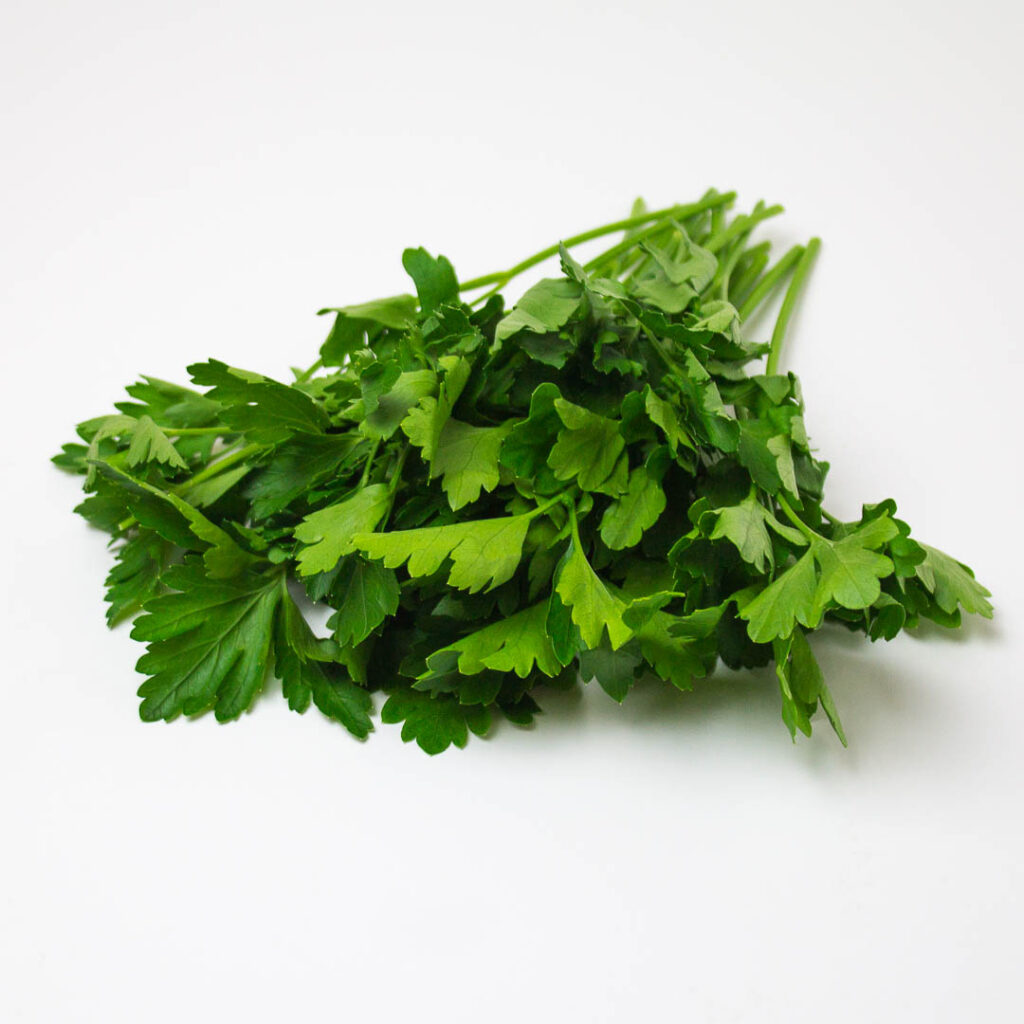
597, 483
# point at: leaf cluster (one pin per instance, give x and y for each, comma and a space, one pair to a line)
600, 483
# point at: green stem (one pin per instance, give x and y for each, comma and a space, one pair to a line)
221, 464
306, 374
717, 220
659, 351
609, 255
733, 254
770, 280
795, 519
502, 277
369, 463
561, 497
749, 267
396, 472
789, 302
574, 525
196, 431
741, 225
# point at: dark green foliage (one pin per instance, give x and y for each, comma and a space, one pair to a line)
594, 484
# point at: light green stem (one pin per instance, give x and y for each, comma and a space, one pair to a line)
502, 277
789, 302
221, 464
770, 280
741, 225
795, 519
306, 374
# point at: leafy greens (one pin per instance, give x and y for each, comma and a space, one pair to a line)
595, 484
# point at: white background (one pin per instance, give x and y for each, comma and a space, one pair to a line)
183, 180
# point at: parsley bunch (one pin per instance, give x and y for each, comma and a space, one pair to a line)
592, 485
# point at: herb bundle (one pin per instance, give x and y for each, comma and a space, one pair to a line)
594, 484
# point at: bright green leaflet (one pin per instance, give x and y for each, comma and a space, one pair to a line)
467, 460
330, 532
626, 518
587, 450
547, 306
594, 608
484, 552
953, 583
518, 644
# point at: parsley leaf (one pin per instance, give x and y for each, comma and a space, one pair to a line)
208, 643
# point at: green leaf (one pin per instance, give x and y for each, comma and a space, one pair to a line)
484, 552
306, 673
425, 423
788, 599
393, 405
594, 608
330, 532
952, 583
625, 519
796, 713
808, 683
671, 658
181, 523
802, 686
849, 570
353, 323
745, 525
135, 576
587, 449
718, 316
208, 644
663, 414
547, 306
364, 594
761, 452
613, 670
298, 465
435, 279
150, 444
705, 407
435, 723
266, 411
526, 447
563, 633
467, 460
517, 644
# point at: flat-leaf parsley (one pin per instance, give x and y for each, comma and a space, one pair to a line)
595, 484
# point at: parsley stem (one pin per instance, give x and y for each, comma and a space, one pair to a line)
794, 518
625, 245
770, 280
369, 463
741, 225
789, 302
575, 526
306, 374
213, 468
560, 497
194, 431
502, 277
748, 269
396, 473
734, 252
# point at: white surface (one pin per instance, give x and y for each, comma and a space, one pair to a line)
182, 180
